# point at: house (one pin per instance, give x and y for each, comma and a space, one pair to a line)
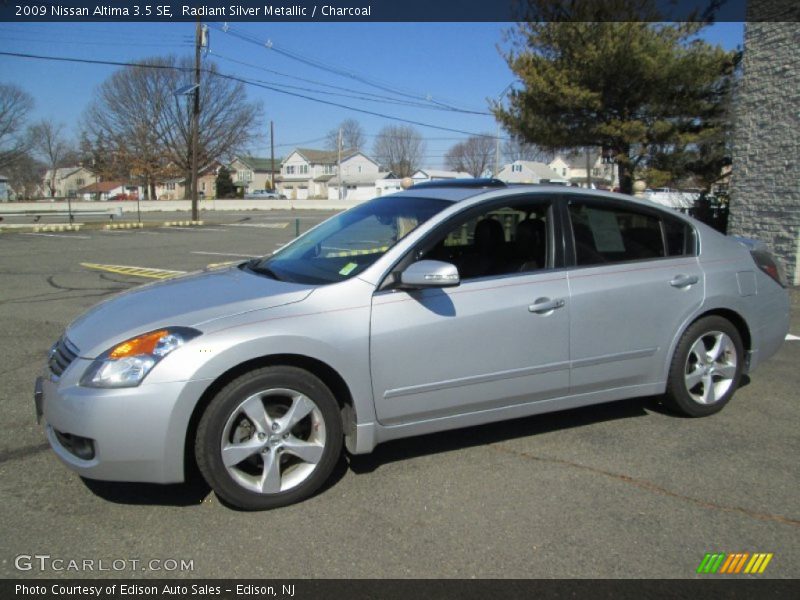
436, 174
66, 181
252, 173
177, 188
573, 168
5, 191
361, 186
528, 171
306, 173
109, 190
171, 188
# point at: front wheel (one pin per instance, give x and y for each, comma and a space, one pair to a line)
269, 438
706, 367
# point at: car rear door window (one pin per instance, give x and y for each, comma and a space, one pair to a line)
608, 234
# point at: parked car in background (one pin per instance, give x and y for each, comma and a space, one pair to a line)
264, 195
443, 306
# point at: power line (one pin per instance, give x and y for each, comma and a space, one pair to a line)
354, 94
243, 81
269, 45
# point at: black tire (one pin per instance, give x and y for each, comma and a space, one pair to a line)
679, 396
233, 483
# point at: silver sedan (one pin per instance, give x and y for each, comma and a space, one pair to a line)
440, 307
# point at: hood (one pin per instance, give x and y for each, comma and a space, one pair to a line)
190, 301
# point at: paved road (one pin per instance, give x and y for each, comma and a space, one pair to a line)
623, 490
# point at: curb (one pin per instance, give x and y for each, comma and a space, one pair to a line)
183, 223
123, 226
55, 228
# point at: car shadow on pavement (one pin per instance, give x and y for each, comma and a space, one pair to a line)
189, 493
502, 431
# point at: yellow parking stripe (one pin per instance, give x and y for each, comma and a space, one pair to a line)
764, 564
134, 271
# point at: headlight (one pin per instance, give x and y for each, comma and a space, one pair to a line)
128, 363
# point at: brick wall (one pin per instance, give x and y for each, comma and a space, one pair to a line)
765, 188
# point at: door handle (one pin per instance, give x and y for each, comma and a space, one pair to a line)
682, 281
546, 305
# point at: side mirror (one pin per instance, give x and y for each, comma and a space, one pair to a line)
429, 274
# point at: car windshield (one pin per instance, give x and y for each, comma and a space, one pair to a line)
345, 245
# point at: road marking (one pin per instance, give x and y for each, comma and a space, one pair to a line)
226, 254
72, 237
134, 271
262, 225
791, 337
194, 229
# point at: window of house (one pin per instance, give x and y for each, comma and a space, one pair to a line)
290, 169
564, 172
516, 168
501, 241
80, 182
611, 234
303, 170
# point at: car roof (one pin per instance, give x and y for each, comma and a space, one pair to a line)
456, 190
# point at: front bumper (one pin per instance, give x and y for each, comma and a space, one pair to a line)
137, 434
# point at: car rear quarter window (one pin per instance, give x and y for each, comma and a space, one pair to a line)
680, 237
614, 234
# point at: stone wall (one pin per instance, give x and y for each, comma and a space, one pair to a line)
765, 188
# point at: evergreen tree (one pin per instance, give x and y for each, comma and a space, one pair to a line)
607, 74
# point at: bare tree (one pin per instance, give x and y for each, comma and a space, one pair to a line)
228, 122
25, 176
50, 144
399, 148
353, 136
517, 149
473, 155
14, 107
142, 123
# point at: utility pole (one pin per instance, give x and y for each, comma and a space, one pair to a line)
198, 41
272, 156
588, 168
339, 164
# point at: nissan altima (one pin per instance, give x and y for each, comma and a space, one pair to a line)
443, 306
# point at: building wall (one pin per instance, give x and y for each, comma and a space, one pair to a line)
765, 185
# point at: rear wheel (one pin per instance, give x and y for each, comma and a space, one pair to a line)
706, 367
269, 438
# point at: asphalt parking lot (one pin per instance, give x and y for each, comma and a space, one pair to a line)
621, 490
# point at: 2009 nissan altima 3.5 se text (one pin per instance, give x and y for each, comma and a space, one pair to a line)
439, 307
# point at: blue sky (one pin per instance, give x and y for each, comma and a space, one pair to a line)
453, 63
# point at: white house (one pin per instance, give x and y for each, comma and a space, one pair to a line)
307, 173
67, 181
573, 169
436, 174
528, 171
109, 190
362, 186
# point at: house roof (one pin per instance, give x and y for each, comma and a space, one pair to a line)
102, 187
324, 157
64, 172
577, 160
260, 164
541, 170
440, 174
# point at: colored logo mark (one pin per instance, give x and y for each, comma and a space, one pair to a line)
735, 563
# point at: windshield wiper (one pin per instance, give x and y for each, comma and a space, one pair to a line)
254, 266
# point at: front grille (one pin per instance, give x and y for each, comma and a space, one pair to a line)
61, 356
